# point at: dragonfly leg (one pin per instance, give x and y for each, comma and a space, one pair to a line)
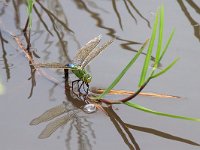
86, 90
73, 82
83, 85
79, 88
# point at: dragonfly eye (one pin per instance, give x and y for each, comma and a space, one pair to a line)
70, 65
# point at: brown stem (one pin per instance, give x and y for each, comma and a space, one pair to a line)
26, 25
127, 98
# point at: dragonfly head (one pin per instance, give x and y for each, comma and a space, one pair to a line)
87, 78
70, 65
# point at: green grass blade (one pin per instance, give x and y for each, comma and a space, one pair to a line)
149, 52
114, 83
167, 45
160, 38
29, 10
166, 69
139, 107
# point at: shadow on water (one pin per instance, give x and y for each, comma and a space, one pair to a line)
110, 30
193, 22
72, 115
126, 43
59, 21
78, 121
129, 5
124, 130
5, 60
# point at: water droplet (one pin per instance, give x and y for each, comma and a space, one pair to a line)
89, 108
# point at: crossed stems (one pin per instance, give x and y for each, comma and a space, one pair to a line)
127, 98
88, 97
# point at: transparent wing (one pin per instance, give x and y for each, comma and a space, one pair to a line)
54, 125
95, 52
84, 51
50, 65
51, 113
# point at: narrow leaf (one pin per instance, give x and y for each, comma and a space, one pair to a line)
149, 52
139, 107
29, 10
114, 83
160, 38
167, 45
166, 69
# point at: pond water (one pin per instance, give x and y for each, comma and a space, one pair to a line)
59, 28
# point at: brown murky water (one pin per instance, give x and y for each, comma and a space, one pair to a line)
59, 29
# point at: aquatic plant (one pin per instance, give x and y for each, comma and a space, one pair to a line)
146, 73
30, 4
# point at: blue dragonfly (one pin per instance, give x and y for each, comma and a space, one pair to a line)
84, 55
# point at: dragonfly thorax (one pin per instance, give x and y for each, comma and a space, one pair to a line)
80, 72
87, 78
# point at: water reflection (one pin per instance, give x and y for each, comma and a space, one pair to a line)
96, 16
33, 82
78, 121
124, 130
4, 55
68, 113
3, 6
128, 4
111, 31
193, 22
16, 6
94, 5
59, 21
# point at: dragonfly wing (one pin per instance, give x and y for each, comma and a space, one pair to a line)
49, 114
54, 125
50, 65
84, 51
52, 113
95, 52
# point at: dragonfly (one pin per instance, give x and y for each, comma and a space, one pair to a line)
84, 55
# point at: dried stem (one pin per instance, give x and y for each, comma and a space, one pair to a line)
127, 98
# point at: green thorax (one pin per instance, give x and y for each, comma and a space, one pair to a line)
82, 74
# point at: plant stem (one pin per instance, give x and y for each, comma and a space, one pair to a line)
127, 98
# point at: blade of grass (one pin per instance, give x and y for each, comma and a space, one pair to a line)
149, 52
139, 107
114, 83
166, 69
29, 10
167, 45
160, 38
